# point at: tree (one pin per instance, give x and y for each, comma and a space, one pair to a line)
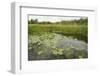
33, 21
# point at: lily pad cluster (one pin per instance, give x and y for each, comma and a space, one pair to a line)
55, 46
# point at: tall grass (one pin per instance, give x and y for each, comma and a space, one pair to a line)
79, 32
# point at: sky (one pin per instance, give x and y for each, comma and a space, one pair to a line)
52, 18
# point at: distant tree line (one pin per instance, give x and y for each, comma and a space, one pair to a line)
79, 22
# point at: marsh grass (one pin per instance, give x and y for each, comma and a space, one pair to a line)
79, 32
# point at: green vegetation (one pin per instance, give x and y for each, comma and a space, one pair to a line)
75, 31
44, 38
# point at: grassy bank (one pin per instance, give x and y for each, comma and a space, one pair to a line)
76, 31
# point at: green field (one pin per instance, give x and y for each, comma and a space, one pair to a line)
79, 32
